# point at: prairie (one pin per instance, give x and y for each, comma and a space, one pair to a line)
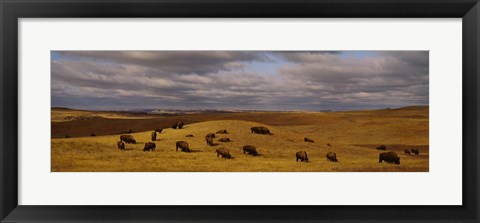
352, 135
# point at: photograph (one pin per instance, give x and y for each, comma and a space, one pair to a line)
239, 111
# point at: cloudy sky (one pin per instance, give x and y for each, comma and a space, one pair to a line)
246, 80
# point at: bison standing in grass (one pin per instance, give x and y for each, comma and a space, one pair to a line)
180, 125
210, 135
223, 131
251, 150
189, 135
92, 134
159, 130
224, 153
209, 141
174, 126
389, 157
415, 151
154, 136
149, 146
308, 140
128, 139
332, 157
302, 156
406, 151
121, 145
224, 140
182, 145
260, 130
382, 147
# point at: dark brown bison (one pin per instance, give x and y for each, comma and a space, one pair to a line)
154, 136
67, 136
251, 150
129, 131
128, 139
159, 130
121, 145
174, 126
182, 145
332, 157
224, 140
149, 146
308, 140
92, 134
389, 157
223, 131
209, 141
407, 151
415, 151
260, 130
180, 125
328, 144
189, 135
224, 153
210, 135
302, 156
382, 147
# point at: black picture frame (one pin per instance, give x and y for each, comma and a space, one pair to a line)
12, 10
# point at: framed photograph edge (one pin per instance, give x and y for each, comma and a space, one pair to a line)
11, 11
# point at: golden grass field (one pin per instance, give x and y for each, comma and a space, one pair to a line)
353, 136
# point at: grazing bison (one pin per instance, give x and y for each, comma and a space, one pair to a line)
260, 130
251, 150
149, 146
223, 131
308, 140
210, 135
209, 141
328, 144
182, 145
154, 136
382, 147
159, 130
332, 157
302, 156
189, 135
174, 126
128, 139
67, 136
92, 134
224, 140
180, 125
407, 151
225, 153
415, 151
121, 145
389, 157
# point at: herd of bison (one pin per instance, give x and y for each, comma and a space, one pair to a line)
388, 157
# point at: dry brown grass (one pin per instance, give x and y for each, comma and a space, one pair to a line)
353, 136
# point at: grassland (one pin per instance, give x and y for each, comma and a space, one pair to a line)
352, 135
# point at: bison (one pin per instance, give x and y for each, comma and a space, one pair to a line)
224, 153
121, 145
260, 130
223, 131
189, 135
180, 125
308, 140
210, 135
389, 157
302, 156
415, 151
159, 130
224, 140
209, 141
174, 126
154, 135
251, 150
67, 136
129, 131
332, 157
407, 151
128, 139
92, 134
149, 146
182, 145
328, 144
382, 147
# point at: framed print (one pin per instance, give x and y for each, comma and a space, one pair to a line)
162, 111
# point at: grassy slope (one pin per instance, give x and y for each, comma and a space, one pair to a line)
353, 136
